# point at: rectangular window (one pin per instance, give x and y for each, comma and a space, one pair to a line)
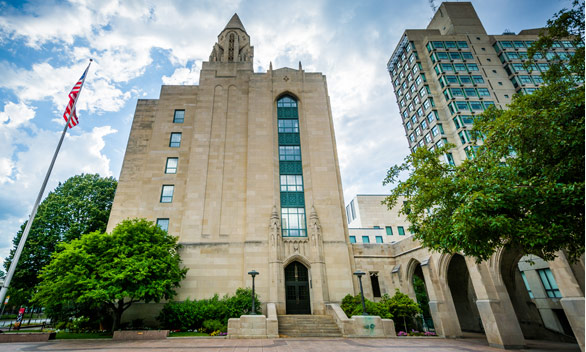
447, 67
418, 80
291, 183
171, 166
450, 159
352, 239
457, 92
423, 124
432, 116
525, 80
379, 239
537, 79
365, 239
465, 80
290, 153
163, 223
476, 105
470, 92
549, 283
450, 44
167, 193
401, 230
466, 55
389, 230
462, 105
437, 45
460, 67
179, 116
293, 222
452, 79
175, 140
375, 284
472, 67
455, 56
441, 55
462, 45
483, 92
478, 79
348, 213
527, 285
352, 208
289, 126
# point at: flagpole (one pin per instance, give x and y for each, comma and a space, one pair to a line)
27, 229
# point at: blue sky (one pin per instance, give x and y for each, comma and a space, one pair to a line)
140, 45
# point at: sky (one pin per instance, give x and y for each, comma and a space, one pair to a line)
139, 45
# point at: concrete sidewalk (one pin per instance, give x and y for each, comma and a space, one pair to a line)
282, 345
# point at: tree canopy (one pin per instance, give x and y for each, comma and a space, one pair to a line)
524, 188
80, 205
138, 261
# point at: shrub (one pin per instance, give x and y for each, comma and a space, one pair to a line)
352, 305
191, 315
402, 308
213, 325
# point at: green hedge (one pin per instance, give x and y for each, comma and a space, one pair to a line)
208, 315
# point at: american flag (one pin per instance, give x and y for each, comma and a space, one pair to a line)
73, 95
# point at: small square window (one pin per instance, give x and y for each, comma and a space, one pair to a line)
167, 193
171, 166
500, 83
179, 116
352, 239
401, 230
163, 223
365, 239
175, 140
379, 239
389, 230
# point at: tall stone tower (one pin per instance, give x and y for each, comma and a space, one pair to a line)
243, 169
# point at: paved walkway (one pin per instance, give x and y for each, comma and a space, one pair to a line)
281, 345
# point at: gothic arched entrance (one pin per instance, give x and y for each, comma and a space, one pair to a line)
297, 289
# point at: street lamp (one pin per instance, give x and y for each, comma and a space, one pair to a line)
359, 274
253, 273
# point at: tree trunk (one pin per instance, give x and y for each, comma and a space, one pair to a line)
119, 309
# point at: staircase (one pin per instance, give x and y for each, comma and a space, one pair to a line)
308, 326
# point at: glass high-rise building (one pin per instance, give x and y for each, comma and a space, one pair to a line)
445, 75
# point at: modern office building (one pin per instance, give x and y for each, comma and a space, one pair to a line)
370, 221
451, 71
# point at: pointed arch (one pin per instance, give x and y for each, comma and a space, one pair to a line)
288, 94
297, 258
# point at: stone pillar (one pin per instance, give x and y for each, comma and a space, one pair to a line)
318, 271
494, 305
441, 306
275, 263
572, 296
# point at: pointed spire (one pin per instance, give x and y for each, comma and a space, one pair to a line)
300, 68
235, 23
271, 66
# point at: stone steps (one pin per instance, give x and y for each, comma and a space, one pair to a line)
308, 326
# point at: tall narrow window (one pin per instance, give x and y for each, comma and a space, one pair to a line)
175, 140
179, 116
293, 222
231, 47
527, 285
375, 284
163, 223
167, 193
401, 230
171, 166
389, 230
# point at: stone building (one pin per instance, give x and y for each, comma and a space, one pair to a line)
243, 168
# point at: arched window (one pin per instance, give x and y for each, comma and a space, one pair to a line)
293, 222
231, 47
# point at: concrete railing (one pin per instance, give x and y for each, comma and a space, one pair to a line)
361, 325
255, 326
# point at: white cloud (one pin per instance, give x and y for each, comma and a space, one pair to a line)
184, 75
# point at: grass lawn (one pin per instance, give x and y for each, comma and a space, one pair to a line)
186, 333
62, 335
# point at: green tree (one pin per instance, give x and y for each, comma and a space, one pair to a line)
137, 262
401, 307
79, 205
524, 188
